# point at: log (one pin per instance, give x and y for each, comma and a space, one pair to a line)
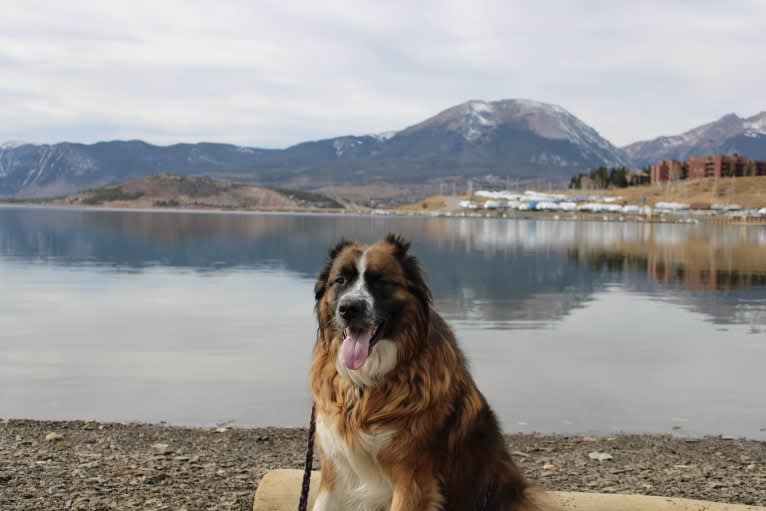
279, 490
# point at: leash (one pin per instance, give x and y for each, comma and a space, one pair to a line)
304, 500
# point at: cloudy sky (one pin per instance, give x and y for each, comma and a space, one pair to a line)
271, 74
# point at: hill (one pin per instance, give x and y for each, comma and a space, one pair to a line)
169, 190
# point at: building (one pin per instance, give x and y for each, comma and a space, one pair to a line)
697, 167
669, 170
721, 165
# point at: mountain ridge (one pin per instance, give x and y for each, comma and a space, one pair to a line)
728, 134
492, 140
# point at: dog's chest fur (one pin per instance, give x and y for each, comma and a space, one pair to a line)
360, 481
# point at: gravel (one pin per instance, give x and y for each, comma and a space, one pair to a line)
86, 465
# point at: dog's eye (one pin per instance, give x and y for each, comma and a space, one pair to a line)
340, 280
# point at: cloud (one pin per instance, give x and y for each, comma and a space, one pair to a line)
275, 73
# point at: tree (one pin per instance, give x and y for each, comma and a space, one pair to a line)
574, 182
600, 177
618, 177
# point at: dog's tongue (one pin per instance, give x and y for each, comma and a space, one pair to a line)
356, 347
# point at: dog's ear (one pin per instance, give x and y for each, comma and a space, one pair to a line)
401, 245
321, 284
411, 266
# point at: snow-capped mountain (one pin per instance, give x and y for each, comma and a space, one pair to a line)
508, 138
729, 134
518, 133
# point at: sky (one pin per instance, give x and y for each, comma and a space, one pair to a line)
274, 73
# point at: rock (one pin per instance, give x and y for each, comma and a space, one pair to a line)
550, 467
222, 429
54, 437
520, 454
600, 456
751, 467
162, 448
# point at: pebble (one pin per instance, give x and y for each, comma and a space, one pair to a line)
119, 467
162, 448
600, 456
54, 437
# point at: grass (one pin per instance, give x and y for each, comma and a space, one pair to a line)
432, 203
313, 199
749, 192
109, 194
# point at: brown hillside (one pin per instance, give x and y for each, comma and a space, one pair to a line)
168, 190
749, 192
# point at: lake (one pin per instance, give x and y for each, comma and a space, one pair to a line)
205, 318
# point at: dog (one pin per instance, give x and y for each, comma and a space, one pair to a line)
400, 422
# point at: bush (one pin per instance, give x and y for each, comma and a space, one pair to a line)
101, 195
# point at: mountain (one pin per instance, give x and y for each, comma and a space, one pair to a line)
40, 170
508, 138
729, 134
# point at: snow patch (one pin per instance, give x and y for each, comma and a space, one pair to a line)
478, 118
11, 144
532, 105
382, 137
757, 125
479, 107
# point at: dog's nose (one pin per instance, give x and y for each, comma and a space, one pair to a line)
350, 309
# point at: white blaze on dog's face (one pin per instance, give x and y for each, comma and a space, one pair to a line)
371, 295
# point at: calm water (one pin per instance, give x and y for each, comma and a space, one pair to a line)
206, 318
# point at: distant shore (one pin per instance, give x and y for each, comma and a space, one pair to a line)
88, 466
492, 214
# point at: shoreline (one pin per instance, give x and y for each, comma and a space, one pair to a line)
382, 213
89, 465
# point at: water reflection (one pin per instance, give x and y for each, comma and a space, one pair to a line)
499, 274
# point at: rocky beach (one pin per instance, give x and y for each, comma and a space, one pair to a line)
92, 466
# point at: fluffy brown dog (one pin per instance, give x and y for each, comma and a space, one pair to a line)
400, 422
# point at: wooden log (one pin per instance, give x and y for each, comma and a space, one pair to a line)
279, 490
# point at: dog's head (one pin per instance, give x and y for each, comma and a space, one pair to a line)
374, 302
